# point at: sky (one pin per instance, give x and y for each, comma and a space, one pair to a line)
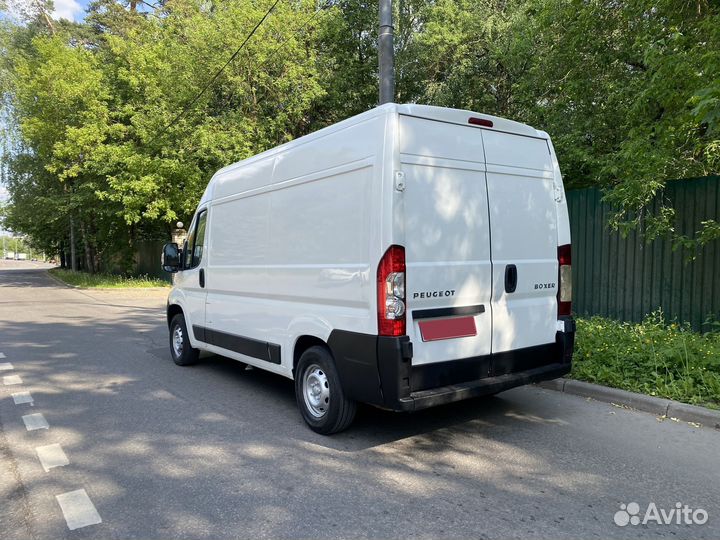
72, 10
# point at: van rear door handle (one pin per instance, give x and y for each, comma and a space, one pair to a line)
201, 277
510, 278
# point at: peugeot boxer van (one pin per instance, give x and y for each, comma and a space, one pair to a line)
407, 257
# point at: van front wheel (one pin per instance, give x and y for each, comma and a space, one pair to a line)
182, 353
320, 397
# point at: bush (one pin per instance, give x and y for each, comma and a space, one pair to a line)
653, 357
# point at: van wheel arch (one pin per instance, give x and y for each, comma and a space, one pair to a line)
172, 310
302, 344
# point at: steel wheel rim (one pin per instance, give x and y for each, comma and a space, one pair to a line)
177, 341
316, 391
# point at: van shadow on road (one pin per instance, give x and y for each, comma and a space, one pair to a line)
372, 427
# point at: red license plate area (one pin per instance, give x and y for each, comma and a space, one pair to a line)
434, 330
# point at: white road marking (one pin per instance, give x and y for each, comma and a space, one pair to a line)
35, 421
2, 355
51, 456
78, 509
22, 397
12, 379
4, 366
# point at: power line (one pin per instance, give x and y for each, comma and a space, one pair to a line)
149, 4
219, 72
302, 25
297, 30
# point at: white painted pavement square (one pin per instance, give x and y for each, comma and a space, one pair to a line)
6, 366
78, 509
51, 456
35, 421
22, 397
12, 379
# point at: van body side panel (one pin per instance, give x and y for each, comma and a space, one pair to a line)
295, 254
447, 239
524, 233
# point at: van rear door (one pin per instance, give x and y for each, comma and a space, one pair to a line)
524, 240
447, 244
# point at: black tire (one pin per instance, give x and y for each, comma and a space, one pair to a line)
317, 363
186, 356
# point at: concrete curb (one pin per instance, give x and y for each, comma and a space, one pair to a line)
60, 281
640, 402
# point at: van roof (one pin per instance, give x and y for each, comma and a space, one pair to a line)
461, 116
441, 114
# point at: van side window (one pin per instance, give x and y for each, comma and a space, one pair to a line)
195, 242
199, 239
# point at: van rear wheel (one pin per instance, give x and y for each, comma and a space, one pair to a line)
319, 395
180, 350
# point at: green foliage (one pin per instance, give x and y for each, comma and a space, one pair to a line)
654, 357
630, 92
90, 105
106, 281
633, 68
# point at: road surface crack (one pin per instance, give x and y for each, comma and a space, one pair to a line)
18, 493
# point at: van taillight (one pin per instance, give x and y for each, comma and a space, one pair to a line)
391, 292
565, 281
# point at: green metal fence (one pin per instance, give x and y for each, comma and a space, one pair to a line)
148, 259
626, 278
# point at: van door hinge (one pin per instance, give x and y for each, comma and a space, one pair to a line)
558, 194
400, 180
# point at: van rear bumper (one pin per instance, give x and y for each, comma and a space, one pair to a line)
378, 370
481, 387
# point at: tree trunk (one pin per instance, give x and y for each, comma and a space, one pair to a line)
73, 258
89, 263
48, 21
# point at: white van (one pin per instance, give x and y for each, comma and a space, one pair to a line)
406, 257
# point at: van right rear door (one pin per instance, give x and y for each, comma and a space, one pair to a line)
524, 240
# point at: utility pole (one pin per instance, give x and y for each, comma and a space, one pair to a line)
386, 53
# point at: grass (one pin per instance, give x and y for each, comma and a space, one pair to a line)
653, 357
106, 281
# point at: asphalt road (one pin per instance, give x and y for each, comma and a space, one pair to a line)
214, 451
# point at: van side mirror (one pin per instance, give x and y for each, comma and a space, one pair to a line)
171, 257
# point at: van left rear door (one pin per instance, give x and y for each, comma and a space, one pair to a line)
447, 246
